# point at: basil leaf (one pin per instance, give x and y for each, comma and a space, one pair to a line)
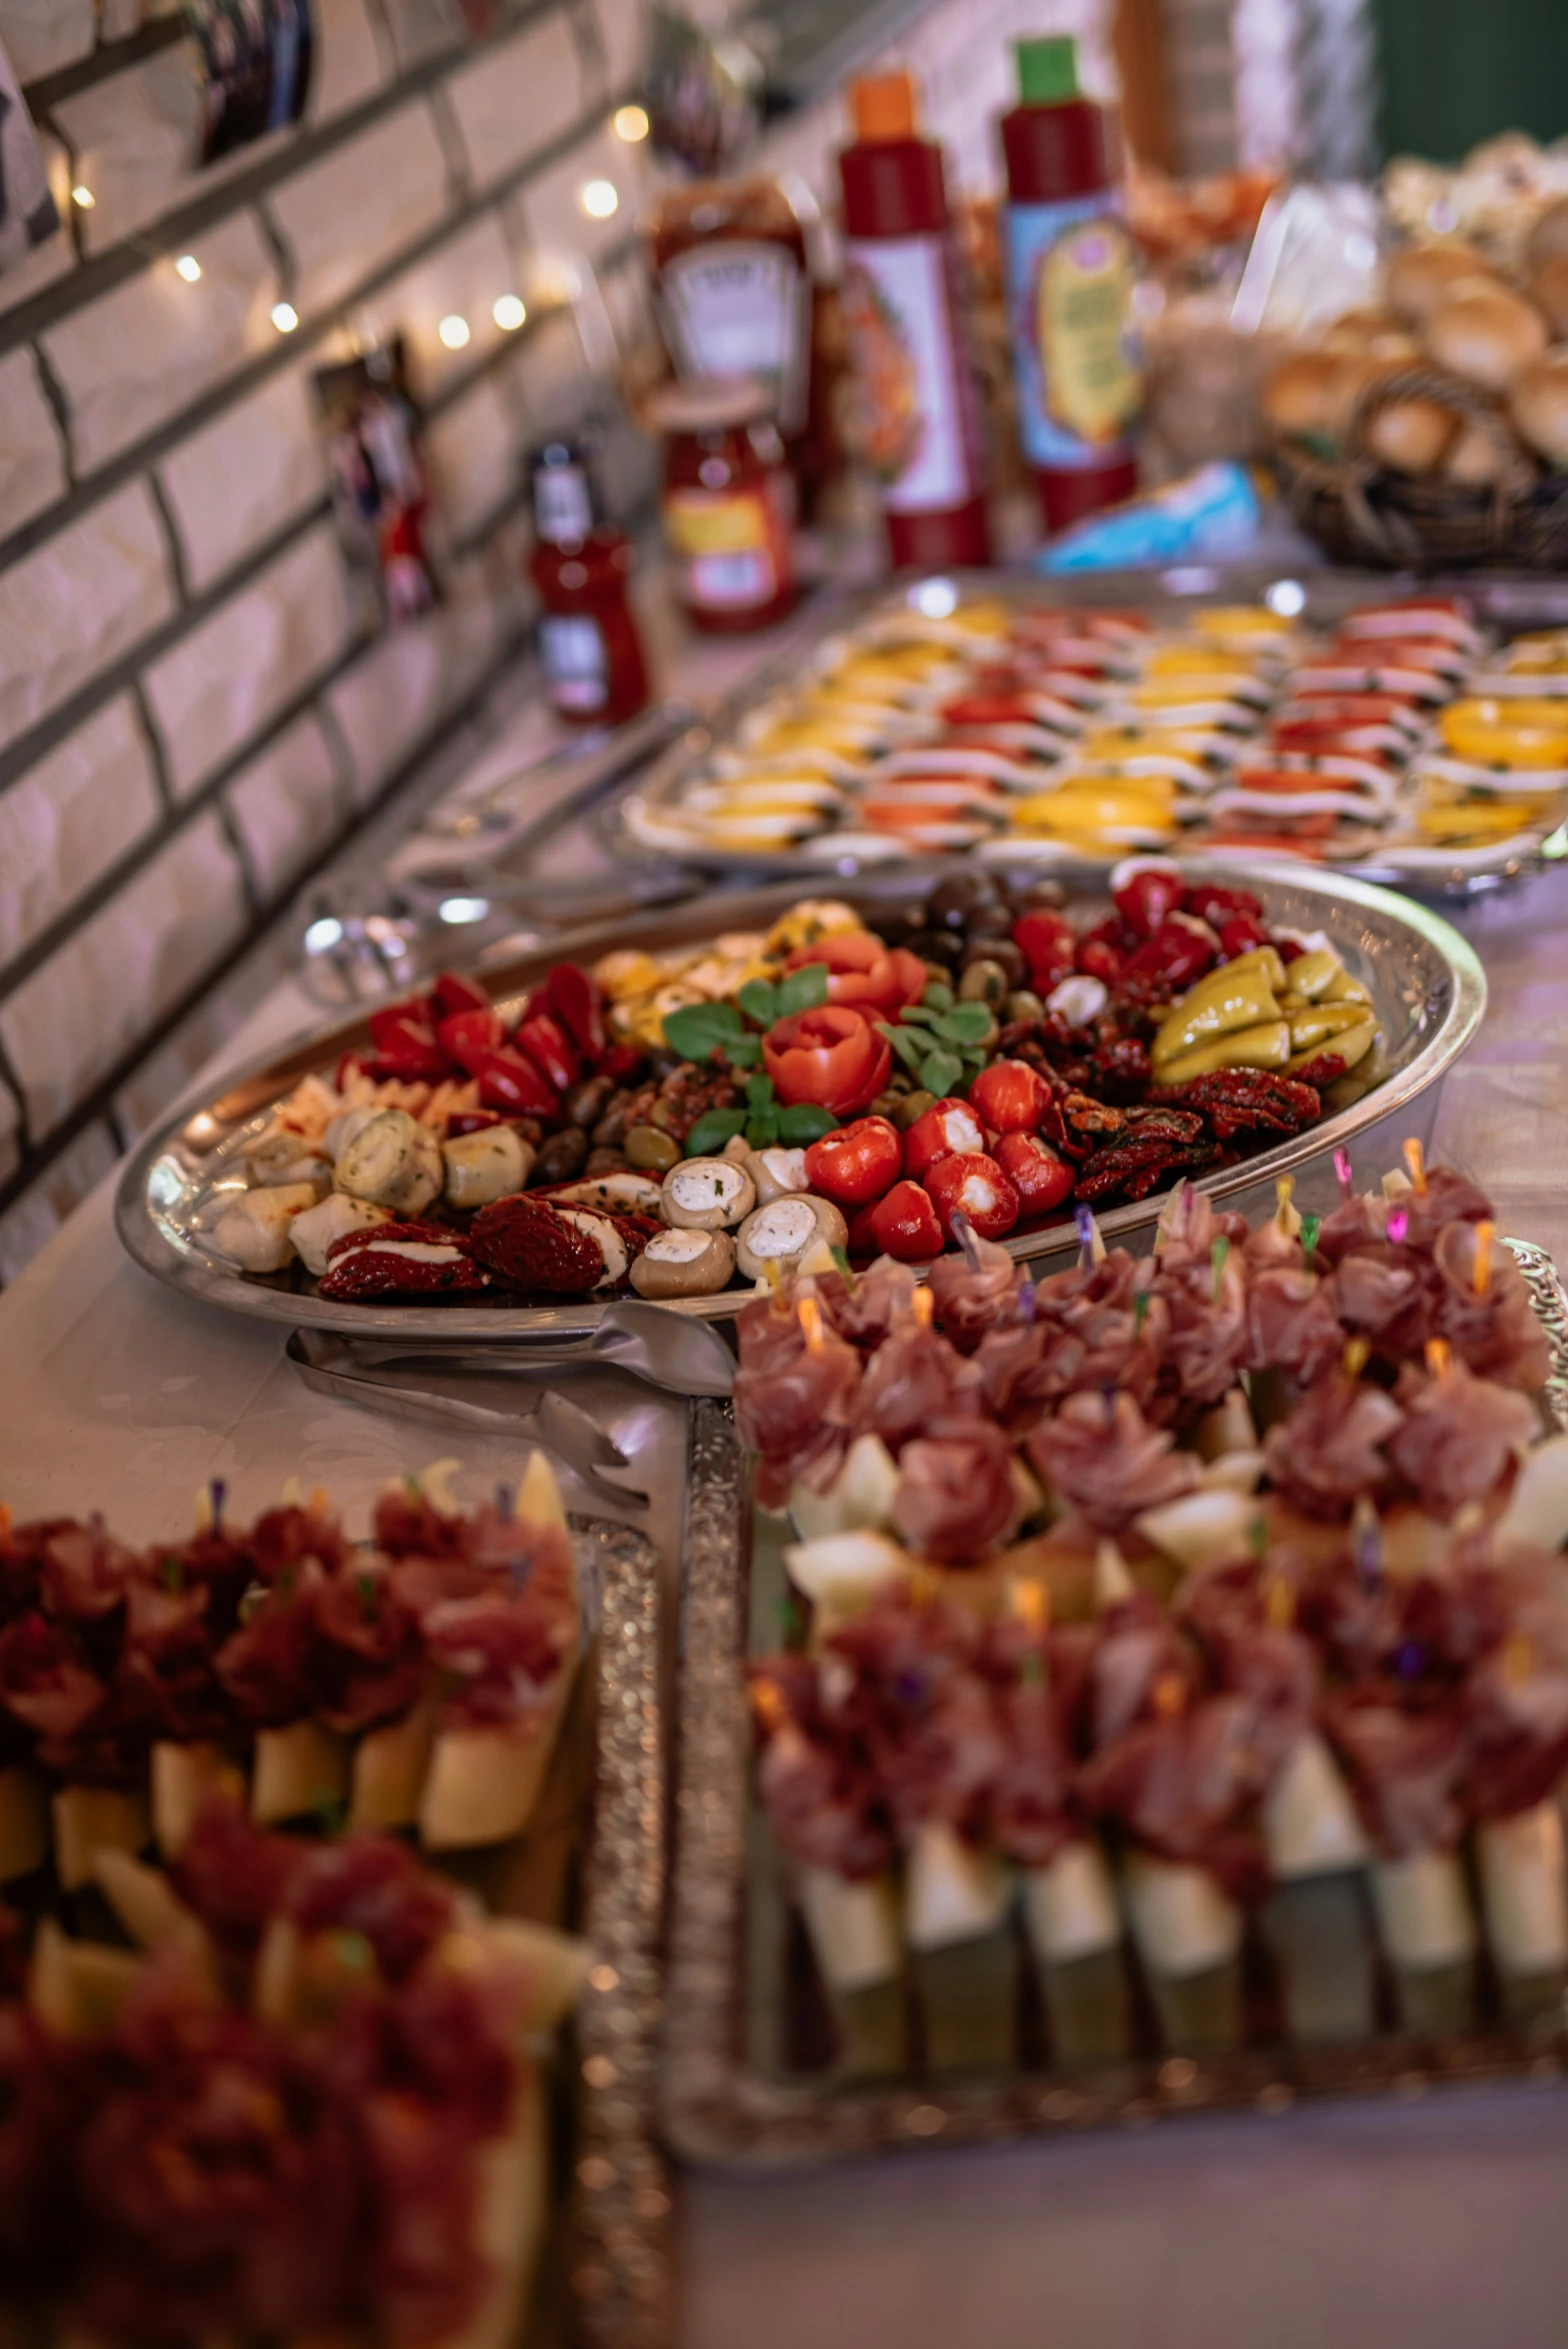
805, 1123
908, 1043
743, 1051
759, 1092
762, 1127
709, 1135
938, 996
966, 1023
759, 1002
698, 1030
803, 990
914, 1015
940, 1072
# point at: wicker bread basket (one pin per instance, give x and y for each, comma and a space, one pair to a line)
1363, 512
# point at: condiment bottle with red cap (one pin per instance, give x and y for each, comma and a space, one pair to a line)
916, 416
589, 648
1069, 289
728, 502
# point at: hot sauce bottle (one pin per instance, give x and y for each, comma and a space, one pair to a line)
589, 647
1069, 289
916, 413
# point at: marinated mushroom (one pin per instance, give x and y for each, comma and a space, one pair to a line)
490, 1164
684, 1263
785, 1232
283, 1157
393, 1161
624, 1192
342, 1129
777, 1173
253, 1232
312, 1233
706, 1194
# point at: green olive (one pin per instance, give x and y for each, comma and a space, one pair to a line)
984, 982
1024, 1005
911, 1106
651, 1149
886, 1104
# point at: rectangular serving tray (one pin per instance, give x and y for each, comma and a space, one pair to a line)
724, 2097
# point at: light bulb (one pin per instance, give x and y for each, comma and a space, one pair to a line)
83, 197
509, 313
631, 124
600, 198
188, 267
454, 332
285, 317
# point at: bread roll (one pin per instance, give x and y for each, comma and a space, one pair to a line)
1476, 458
1486, 337
1412, 435
1549, 289
1548, 240
1539, 406
1375, 334
1305, 396
1420, 276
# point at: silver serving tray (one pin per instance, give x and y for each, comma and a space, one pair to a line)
1426, 983
643, 821
720, 2106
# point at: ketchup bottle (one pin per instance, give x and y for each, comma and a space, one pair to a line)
595, 674
916, 415
1069, 289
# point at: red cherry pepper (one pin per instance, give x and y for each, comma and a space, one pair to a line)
1146, 896
469, 1037
1240, 935
1102, 952
509, 1081
1041, 1179
1047, 942
974, 1184
856, 1163
1181, 950
406, 1048
1213, 903
546, 1044
620, 1063
1011, 1096
946, 1127
905, 1225
578, 1003
452, 994
470, 1121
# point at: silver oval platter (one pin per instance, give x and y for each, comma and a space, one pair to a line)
1426, 984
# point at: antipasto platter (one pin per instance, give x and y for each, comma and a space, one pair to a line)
713, 1096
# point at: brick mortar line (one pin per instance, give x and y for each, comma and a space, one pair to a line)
100, 65
35, 742
103, 272
128, 463
97, 1105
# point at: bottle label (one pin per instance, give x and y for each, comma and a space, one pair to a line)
910, 420
576, 661
741, 308
731, 547
1075, 352
563, 508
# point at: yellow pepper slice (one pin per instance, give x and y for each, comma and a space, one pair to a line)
1241, 995
1350, 1045
1525, 733
1265, 1045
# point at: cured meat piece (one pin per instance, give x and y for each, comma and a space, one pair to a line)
968, 1302
1383, 1300
1405, 1769
371, 1885
83, 1573
1493, 1327
1291, 1323
912, 1379
794, 1401
1461, 1436
955, 1499
1102, 1457
1328, 1453
1182, 1784
232, 1875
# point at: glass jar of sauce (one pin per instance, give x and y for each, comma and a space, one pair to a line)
581, 565
734, 291
728, 503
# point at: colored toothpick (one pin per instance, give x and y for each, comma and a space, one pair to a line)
1366, 1543
1342, 1174
1481, 1274
964, 1233
1311, 1225
1218, 1255
1355, 1357
1439, 1357
1415, 1160
809, 1313
923, 1305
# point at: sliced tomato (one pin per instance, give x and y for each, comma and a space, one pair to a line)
832, 1056
863, 972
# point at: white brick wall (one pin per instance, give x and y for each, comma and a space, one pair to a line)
32, 454
77, 602
237, 670
39, 36
286, 807
245, 476
513, 100
358, 207
72, 817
